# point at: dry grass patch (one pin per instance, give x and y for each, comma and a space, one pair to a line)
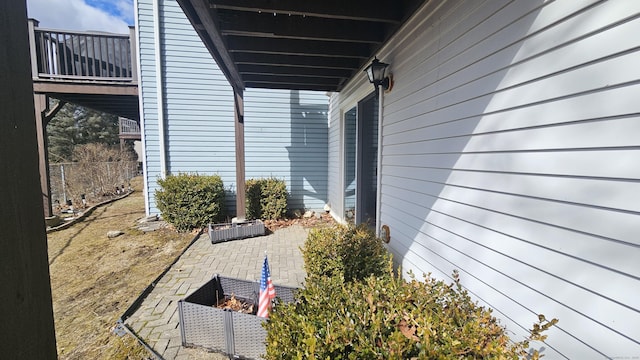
94, 279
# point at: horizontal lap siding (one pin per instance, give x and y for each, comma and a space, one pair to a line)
510, 152
198, 103
286, 136
285, 132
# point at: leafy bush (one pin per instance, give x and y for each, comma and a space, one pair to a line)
353, 252
189, 201
266, 198
370, 313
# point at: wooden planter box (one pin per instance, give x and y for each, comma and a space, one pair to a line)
230, 231
233, 333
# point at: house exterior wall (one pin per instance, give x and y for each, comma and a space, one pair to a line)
196, 101
285, 131
286, 134
510, 152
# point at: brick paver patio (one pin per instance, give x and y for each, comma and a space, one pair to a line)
156, 320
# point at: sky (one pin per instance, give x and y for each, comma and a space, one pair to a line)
83, 15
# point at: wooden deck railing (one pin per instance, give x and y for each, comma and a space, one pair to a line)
78, 56
129, 129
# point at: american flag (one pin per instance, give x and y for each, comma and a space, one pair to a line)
267, 291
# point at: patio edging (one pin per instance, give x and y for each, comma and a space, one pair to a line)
120, 324
86, 213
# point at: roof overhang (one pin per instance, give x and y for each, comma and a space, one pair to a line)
293, 44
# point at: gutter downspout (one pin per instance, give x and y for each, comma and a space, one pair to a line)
379, 170
159, 89
145, 168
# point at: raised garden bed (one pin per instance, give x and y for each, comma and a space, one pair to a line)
223, 330
233, 231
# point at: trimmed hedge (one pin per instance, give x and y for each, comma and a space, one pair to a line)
266, 199
382, 316
353, 252
190, 201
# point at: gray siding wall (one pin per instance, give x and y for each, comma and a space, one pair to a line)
285, 131
198, 101
286, 136
510, 152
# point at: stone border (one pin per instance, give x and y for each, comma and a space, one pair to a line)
86, 213
120, 324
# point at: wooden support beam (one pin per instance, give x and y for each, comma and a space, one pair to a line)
199, 14
286, 86
298, 47
240, 174
256, 24
41, 104
288, 79
32, 24
362, 10
26, 313
79, 87
134, 53
51, 113
296, 71
314, 62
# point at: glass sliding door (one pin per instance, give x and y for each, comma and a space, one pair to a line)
350, 165
361, 161
367, 161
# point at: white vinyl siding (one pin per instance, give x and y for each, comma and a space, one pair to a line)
510, 152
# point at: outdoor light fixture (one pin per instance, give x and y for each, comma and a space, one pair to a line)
376, 73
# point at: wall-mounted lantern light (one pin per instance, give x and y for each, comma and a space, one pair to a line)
376, 73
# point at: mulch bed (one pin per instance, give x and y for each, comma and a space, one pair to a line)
235, 304
325, 219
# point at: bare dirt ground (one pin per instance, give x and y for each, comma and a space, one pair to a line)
94, 279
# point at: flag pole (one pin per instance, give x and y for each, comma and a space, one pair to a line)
267, 290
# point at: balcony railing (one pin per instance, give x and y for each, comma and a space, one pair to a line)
77, 56
129, 129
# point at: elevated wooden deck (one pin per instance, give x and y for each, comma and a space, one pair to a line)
96, 70
92, 69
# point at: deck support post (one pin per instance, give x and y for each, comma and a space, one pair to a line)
41, 105
27, 326
240, 164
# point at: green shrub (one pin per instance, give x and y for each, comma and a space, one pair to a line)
388, 318
190, 201
350, 309
266, 198
353, 252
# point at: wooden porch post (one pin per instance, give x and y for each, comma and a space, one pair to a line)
32, 24
239, 131
41, 105
27, 316
134, 54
